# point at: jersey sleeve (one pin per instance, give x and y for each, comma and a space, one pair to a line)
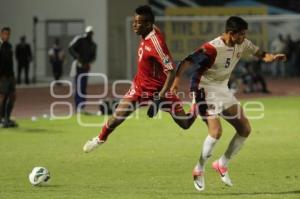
162, 54
250, 48
204, 56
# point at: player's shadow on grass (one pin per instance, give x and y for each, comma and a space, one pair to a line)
49, 186
259, 193
38, 130
26, 130
250, 193
35, 130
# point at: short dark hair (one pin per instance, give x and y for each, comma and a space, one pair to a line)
235, 24
5, 29
146, 11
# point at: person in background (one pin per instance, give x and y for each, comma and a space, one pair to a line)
57, 57
83, 49
7, 80
24, 57
278, 46
254, 77
291, 49
297, 59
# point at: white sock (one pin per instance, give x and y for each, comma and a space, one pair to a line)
234, 146
207, 148
223, 161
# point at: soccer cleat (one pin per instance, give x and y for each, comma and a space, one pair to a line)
9, 124
92, 144
223, 171
198, 176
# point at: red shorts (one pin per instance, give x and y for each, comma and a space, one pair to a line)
171, 102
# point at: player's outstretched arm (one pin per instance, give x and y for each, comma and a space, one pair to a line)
168, 83
269, 57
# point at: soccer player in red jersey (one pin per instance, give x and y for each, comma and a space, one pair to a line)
214, 62
155, 75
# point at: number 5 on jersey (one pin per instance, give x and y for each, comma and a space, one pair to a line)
227, 64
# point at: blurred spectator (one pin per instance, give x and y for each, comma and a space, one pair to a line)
57, 57
254, 79
7, 80
24, 57
291, 56
297, 57
83, 50
278, 46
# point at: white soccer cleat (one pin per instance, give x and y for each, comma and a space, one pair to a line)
223, 171
198, 176
92, 144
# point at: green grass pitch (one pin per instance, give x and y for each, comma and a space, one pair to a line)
150, 158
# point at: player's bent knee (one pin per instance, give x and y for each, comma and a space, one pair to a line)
245, 131
185, 126
248, 130
216, 132
182, 124
218, 135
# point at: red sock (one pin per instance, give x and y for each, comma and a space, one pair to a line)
105, 132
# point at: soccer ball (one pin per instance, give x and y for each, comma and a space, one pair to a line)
39, 175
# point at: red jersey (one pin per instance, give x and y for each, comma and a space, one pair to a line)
153, 60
